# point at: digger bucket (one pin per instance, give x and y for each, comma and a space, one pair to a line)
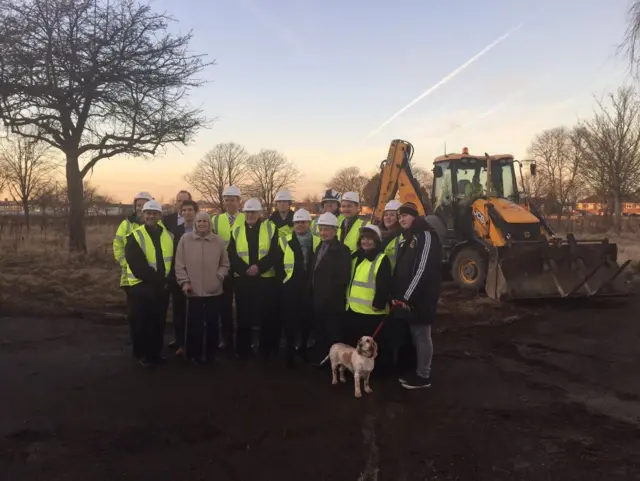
557, 268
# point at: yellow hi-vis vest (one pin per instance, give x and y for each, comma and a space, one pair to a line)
392, 249
119, 241
315, 230
267, 231
143, 239
363, 286
351, 239
221, 226
289, 255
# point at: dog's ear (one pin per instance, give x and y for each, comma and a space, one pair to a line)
374, 345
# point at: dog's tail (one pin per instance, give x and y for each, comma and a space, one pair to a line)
324, 361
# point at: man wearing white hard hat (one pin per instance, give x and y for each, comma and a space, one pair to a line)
222, 226
149, 254
282, 217
329, 282
369, 296
349, 228
125, 228
330, 203
253, 253
391, 231
298, 249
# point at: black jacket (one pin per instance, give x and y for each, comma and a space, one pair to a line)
418, 273
138, 262
239, 266
170, 221
330, 278
384, 277
279, 221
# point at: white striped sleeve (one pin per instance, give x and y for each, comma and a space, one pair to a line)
421, 266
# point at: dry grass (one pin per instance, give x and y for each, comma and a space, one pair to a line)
40, 277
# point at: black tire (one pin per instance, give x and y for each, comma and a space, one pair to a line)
469, 269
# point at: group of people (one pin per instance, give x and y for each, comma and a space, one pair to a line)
313, 282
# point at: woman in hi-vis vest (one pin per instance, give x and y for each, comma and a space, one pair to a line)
391, 232
369, 292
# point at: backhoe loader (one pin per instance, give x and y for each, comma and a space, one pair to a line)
493, 237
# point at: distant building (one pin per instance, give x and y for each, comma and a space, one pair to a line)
596, 205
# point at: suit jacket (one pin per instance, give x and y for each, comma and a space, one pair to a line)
170, 221
331, 278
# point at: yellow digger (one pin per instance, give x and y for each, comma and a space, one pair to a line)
493, 237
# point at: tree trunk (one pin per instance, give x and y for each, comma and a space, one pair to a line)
617, 211
27, 220
77, 235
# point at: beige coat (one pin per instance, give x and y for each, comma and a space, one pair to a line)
203, 262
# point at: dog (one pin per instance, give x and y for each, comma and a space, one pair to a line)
358, 360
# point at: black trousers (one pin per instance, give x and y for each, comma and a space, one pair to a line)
127, 292
295, 303
149, 319
327, 326
255, 302
201, 333
179, 307
226, 311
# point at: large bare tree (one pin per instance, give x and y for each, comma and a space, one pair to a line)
28, 169
349, 179
96, 78
631, 42
268, 172
558, 162
224, 165
611, 147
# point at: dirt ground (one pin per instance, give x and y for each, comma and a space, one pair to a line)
554, 395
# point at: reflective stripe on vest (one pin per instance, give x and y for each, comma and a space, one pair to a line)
223, 228
363, 287
267, 230
392, 250
124, 229
289, 255
351, 239
145, 242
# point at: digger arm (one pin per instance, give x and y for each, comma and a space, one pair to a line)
396, 178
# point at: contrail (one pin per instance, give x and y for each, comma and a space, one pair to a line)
445, 79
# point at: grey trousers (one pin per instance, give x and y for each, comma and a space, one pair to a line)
421, 336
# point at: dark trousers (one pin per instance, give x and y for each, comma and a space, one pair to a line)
127, 292
148, 320
226, 311
297, 320
254, 306
327, 331
201, 336
179, 307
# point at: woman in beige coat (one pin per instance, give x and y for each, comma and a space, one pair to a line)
202, 264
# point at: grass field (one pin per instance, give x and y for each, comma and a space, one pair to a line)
39, 276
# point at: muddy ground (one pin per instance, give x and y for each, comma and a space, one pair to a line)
555, 395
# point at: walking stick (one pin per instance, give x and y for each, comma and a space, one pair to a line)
186, 328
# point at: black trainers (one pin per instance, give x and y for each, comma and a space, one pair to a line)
413, 381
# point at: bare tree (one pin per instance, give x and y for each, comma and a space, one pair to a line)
558, 160
96, 78
349, 179
224, 165
311, 199
28, 169
610, 144
50, 198
631, 41
268, 172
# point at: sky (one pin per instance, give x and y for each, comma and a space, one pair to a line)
322, 80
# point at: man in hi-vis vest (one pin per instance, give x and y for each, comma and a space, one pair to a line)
253, 253
222, 224
349, 228
149, 256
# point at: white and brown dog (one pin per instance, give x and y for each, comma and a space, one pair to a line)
358, 360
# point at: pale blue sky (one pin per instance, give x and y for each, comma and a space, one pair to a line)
311, 78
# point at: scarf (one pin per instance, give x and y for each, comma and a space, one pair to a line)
306, 244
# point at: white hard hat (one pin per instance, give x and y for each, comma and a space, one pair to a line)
328, 219
152, 205
252, 205
373, 228
283, 195
231, 191
143, 195
351, 197
331, 195
392, 205
301, 215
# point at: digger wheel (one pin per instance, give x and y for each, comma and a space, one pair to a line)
469, 269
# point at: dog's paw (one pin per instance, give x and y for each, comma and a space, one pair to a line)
368, 390
343, 379
334, 381
358, 394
